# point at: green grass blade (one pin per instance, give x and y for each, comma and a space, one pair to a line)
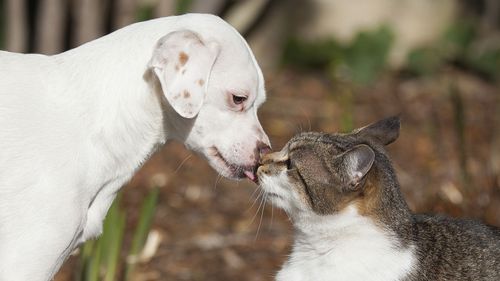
85, 255
111, 240
114, 247
100, 258
94, 264
142, 230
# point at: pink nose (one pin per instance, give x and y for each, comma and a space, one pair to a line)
262, 149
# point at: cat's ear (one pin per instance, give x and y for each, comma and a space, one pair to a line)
384, 131
357, 162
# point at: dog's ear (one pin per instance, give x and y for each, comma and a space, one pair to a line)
182, 61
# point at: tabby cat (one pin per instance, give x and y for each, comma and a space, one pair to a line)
352, 223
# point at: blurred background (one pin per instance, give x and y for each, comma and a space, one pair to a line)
330, 65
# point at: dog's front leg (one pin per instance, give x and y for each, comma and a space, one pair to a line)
35, 239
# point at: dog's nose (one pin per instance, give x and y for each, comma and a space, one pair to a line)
261, 150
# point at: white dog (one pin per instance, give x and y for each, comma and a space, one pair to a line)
74, 127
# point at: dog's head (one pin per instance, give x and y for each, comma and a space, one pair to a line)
213, 87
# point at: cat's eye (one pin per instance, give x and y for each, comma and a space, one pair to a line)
239, 99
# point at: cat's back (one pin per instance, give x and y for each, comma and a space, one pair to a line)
455, 249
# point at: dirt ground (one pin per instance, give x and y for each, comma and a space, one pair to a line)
447, 159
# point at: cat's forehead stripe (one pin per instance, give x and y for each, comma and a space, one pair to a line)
308, 194
339, 141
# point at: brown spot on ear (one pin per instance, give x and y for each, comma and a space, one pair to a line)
183, 58
186, 94
201, 82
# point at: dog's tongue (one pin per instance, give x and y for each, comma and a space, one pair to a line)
250, 175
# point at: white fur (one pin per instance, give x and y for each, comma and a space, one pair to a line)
76, 126
340, 247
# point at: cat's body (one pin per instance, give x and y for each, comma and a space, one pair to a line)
348, 247
352, 222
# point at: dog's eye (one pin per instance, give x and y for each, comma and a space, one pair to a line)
288, 164
239, 99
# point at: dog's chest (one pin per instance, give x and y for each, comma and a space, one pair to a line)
363, 254
96, 212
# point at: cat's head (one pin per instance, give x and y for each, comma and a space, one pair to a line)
323, 173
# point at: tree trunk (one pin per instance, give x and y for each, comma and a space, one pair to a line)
89, 20
17, 27
165, 8
492, 14
125, 13
50, 27
207, 6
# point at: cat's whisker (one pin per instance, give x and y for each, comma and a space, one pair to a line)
182, 163
217, 180
307, 117
253, 193
255, 201
272, 215
258, 209
264, 199
298, 128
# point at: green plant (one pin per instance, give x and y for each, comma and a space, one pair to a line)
100, 258
104, 258
458, 38
360, 61
142, 230
459, 45
182, 6
146, 9
366, 56
424, 61
318, 54
145, 12
486, 62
